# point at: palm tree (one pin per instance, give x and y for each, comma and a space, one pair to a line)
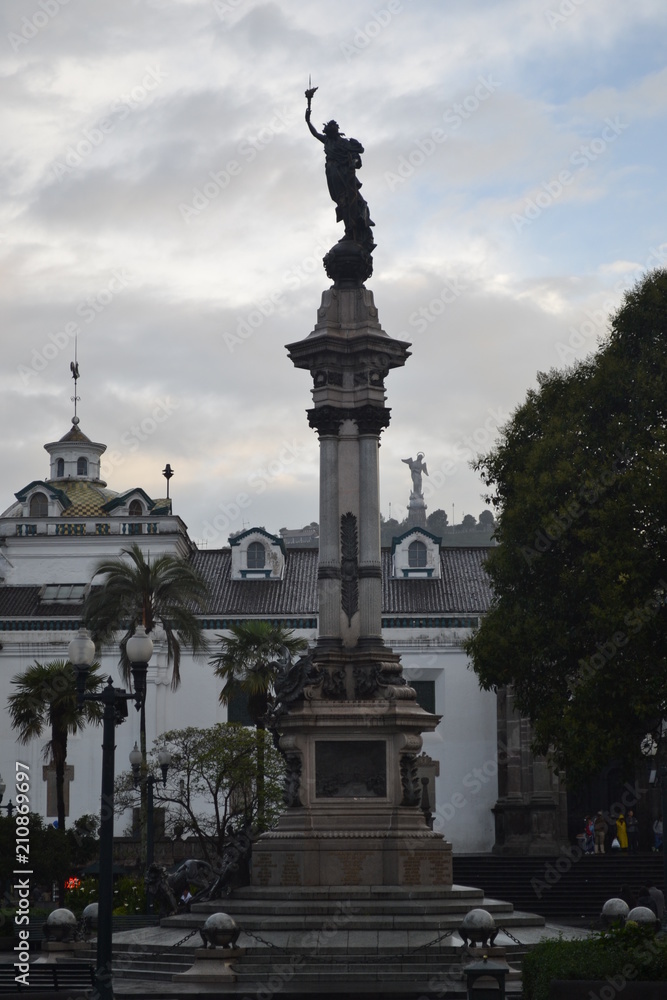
46, 698
137, 591
248, 663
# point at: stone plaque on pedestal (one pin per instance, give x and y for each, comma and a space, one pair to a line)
350, 769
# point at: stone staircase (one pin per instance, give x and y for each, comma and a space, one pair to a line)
378, 940
571, 890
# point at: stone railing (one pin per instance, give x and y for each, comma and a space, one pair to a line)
84, 527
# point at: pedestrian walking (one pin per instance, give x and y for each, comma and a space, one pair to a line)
657, 834
600, 832
632, 828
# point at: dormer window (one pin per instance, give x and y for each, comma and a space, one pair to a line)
60, 468
417, 555
39, 505
82, 467
135, 509
256, 556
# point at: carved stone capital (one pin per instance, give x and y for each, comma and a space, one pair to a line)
326, 419
371, 419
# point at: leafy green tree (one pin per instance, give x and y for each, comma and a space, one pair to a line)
486, 519
248, 664
138, 591
437, 522
212, 782
579, 479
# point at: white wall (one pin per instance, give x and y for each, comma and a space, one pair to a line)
464, 742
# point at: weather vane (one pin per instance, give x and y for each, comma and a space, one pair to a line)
74, 368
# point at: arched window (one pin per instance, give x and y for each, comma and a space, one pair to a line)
60, 468
135, 510
82, 467
416, 555
39, 505
256, 556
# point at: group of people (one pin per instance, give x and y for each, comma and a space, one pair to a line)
624, 830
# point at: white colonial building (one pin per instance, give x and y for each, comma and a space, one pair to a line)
57, 530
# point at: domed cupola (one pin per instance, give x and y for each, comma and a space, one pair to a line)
76, 457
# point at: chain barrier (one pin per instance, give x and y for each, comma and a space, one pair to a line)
345, 958
504, 930
186, 938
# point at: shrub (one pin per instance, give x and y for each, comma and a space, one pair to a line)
631, 952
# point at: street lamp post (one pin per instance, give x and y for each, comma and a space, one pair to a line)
114, 701
164, 760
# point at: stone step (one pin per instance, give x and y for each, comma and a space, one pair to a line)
565, 887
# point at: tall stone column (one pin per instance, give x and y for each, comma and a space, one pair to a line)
351, 733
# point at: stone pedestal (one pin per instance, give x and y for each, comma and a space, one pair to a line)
358, 820
212, 965
352, 736
416, 511
61, 951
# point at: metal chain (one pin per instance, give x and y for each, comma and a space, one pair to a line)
269, 944
186, 938
510, 935
345, 958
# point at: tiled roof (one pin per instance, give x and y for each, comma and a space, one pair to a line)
463, 589
75, 434
296, 594
23, 602
87, 499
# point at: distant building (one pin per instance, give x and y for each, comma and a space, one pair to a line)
302, 537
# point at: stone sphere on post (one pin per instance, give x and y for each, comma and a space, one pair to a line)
220, 931
89, 919
60, 925
478, 927
643, 916
615, 910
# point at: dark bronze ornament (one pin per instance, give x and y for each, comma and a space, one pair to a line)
349, 553
342, 160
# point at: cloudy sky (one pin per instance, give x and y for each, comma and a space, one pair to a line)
163, 200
